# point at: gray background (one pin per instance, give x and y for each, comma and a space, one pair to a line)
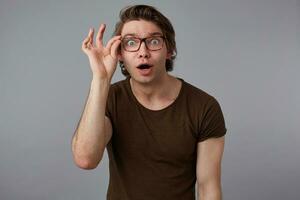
245, 53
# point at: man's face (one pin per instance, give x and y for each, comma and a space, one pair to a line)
153, 59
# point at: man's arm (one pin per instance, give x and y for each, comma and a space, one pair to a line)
208, 169
94, 129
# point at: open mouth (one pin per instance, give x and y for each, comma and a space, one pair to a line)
144, 66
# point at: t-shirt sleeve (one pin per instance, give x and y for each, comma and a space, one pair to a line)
212, 123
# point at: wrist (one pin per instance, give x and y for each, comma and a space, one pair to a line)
99, 84
100, 80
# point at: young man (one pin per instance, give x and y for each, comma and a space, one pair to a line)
162, 134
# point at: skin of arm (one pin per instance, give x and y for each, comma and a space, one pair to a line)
208, 169
94, 128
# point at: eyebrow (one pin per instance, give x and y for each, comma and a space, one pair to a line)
135, 35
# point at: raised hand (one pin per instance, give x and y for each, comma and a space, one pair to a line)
103, 59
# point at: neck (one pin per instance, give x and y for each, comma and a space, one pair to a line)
158, 89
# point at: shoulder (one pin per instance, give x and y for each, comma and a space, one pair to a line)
199, 102
197, 95
118, 87
117, 95
207, 111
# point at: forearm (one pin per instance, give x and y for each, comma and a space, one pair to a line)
88, 143
210, 192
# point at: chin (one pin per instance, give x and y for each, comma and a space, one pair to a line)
142, 80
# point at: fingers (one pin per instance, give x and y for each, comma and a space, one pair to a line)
114, 48
91, 35
84, 43
99, 36
88, 41
111, 47
111, 41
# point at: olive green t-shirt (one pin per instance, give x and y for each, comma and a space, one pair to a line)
152, 154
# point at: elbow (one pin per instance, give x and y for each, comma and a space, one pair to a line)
83, 164
86, 163
210, 190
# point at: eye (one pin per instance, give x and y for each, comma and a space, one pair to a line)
155, 41
131, 42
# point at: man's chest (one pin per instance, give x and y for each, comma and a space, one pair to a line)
168, 136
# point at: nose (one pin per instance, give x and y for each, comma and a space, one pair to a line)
143, 52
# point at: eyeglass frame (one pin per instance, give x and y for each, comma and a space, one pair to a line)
141, 40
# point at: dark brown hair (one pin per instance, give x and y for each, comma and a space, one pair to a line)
149, 13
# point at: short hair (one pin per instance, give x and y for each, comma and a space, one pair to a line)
151, 14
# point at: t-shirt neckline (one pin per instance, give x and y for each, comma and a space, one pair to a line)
155, 111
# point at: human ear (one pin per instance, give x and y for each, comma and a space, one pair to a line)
120, 57
119, 54
169, 55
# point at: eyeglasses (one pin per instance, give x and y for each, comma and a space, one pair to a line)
133, 44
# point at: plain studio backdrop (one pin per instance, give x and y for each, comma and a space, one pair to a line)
244, 53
